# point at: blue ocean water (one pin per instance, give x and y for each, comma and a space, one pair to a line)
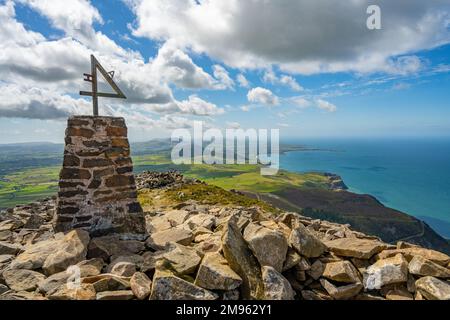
411, 175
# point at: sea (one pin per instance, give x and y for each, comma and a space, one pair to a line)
408, 174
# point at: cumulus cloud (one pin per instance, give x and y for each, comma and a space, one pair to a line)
28, 61
35, 103
242, 80
221, 74
271, 77
325, 105
262, 96
299, 36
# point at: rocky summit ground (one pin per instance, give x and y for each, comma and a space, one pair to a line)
205, 243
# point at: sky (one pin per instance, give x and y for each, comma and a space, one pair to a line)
308, 68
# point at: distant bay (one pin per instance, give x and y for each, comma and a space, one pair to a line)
410, 175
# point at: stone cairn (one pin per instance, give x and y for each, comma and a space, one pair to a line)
97, 190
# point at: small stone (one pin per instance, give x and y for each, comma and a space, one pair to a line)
141, 285
433, 289
316, 270
387, 271
201, 220
268, 246
399, 294
22, 280
214, 273
115, 295
342, 292
177, 217
306, 243
3, 289
124, 269
184, 260
423, 267
276, 287
292, 259
354, 247
160, 240
108, 282
66, 292
342, 271
167, 286
10, 248
108, 246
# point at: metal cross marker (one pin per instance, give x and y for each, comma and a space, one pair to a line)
95, 65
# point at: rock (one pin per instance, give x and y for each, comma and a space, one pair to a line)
22, 295
108, 282
159, 240
242, 261
232, 295
35, 255
71, 250
3, 289
387, 271
108, 246
124, 269
268, 246
150, 259
176, 217
423, 267
157, 224
5, 258
354, 247
399, 294
342, 292
342, 271
65, 292
167, 286
135, 259
306, 243
10, 248
311, 295
276, 287
141, 285
22, 280
316, 270
215, 274
433, 289
409, 253
115, 295
184, 260
292, 259
201, 220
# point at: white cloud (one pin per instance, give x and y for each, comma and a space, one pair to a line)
34, 103
301, 102
28, 61
221, 74
177, 67
233, 125
271, 77
242, 80
196, 106
299, 36
325, 105
263, 96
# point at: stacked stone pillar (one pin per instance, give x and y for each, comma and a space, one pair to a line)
97, 190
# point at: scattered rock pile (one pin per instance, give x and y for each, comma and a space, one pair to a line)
153, 180
207, 252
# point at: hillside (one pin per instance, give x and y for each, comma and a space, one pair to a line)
206, 243
30, 172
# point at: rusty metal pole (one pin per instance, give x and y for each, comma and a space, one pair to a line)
94, 85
